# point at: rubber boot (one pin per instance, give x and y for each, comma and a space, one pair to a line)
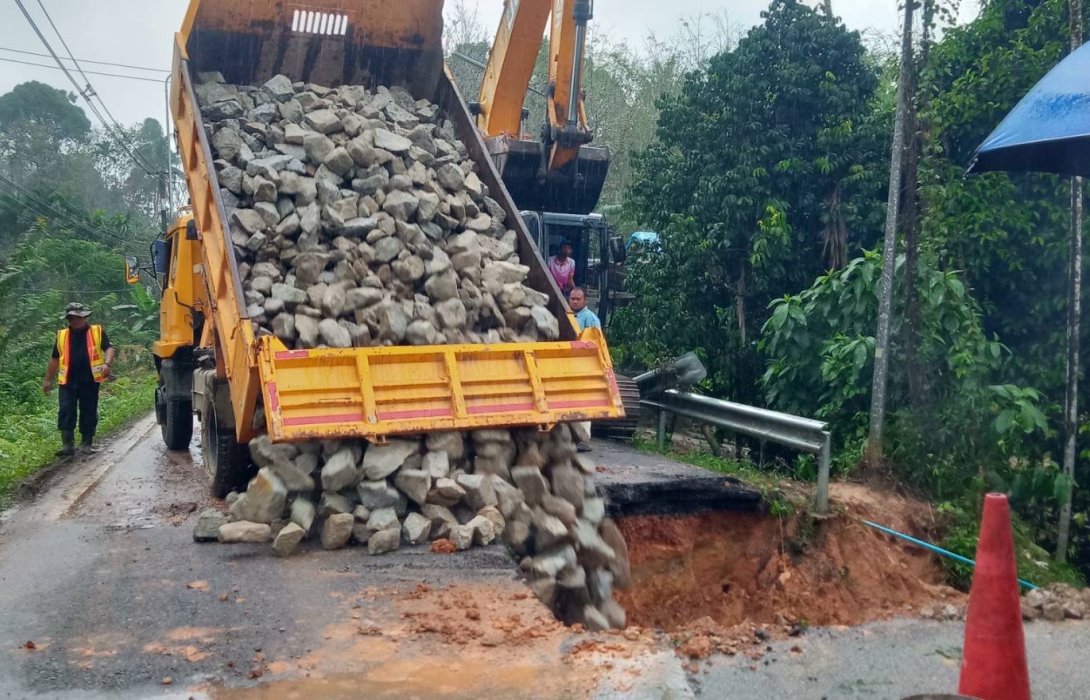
68, 444
87, 444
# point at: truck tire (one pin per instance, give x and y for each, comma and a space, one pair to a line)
177, 423
622, 428
227, 462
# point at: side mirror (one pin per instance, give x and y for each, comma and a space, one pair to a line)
132, 270
617, 251
160, 251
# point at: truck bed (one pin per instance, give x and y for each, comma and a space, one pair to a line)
373, 392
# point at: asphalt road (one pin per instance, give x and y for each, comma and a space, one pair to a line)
103, 594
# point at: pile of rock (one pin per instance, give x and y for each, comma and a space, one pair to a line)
1055, 603
358, 220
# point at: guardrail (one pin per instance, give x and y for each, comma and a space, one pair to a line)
802, 434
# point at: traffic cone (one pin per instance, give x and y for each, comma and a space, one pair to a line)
993, 665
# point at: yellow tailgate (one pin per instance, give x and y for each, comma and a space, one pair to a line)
376, 392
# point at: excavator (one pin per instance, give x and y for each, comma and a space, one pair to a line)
555, 179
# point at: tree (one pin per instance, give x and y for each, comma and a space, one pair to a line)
763, 174
40, 128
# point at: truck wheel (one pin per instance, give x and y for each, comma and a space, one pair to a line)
227, 462
177, 423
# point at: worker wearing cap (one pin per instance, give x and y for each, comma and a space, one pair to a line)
81, 361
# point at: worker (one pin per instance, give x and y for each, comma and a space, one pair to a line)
586, 319
81, 360
584, 316
562, 268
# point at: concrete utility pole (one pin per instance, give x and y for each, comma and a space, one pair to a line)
1074, 322
889, 249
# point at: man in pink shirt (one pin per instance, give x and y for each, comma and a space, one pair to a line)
562, 268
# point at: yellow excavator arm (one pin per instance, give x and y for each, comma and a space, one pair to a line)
559, 173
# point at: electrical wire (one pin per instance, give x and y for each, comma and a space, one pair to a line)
82, 91
64, 216
90, 72
87, 60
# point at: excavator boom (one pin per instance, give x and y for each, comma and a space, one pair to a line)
560, 172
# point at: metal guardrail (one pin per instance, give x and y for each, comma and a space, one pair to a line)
803, 434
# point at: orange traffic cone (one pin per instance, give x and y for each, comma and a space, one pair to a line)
993, 665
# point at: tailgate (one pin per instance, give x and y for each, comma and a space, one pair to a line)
372, 393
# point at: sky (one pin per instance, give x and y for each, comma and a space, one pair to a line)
140, 33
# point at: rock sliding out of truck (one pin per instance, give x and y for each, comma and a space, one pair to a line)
241, 384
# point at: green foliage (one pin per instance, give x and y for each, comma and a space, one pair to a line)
765, 171
38, 104
28, 433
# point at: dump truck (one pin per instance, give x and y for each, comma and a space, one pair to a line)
209, 357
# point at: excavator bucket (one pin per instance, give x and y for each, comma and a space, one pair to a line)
575, 189
326, 42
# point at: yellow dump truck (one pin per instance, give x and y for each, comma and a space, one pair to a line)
210, 361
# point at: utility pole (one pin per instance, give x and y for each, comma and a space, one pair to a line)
889, 249
1074, 322
829, 7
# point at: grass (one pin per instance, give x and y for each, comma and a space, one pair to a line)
742, 469
29, 437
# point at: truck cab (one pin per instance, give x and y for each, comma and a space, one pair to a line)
597, 253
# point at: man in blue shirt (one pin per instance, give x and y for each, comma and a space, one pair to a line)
585, 317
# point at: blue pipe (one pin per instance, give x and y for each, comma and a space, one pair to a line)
937, 550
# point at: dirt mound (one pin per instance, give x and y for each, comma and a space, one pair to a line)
724, 570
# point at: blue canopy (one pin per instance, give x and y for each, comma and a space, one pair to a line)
648, 239
1049, 130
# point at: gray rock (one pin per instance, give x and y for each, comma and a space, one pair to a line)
263, 501
493, 514
441, 519
462, 536
420, 333
333, 301
531, 483
562, 509
307, 328
548, 529
594, 620
287, 540
594, 510
339, 162
573, 579
303, 513
208, 524
592, 549
248, 220
291, 111
389, 141
244, 531
377, 494
400, 205
547, 325
451, 177
436, 464
393, 323
334, 334
340, 471
227, 109
336, 530
446, 492
414, 483
291, 296
551, 562
323, 121
361, 298
280, 87
484, 531
384, 541
318, 147
333, 503
295, 480
452, 443
479, 490
379, 461
265, 453
443, 286
387, 249
451, 313
613, 613
295, 135
416, 528
227, 143
567, 482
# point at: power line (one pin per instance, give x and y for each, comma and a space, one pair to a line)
90, 72
64, 216
87, 60
82, 91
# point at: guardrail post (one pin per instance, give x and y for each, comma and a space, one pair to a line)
662, 429
821, 501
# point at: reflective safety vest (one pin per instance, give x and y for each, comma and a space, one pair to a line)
94, 354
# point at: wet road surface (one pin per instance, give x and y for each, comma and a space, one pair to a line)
103, 594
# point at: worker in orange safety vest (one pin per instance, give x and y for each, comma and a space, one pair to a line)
81, 361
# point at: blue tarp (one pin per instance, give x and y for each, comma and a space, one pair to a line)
1049, 130
647, 239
